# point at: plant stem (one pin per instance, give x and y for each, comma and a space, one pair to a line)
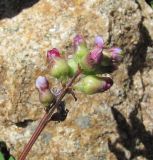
46, 118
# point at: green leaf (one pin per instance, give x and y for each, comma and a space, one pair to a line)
1, 156
11, 158
73, 66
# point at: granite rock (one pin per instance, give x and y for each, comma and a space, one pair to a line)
147, 13
24, 40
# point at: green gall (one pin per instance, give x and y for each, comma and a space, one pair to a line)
91, 62
81, 52
93, 84
73, 65
80, 47
46, 97
60, 68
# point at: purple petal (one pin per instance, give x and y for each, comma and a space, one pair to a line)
42, 83
96, 55
108, 83
78, 39
116, 54
99, 41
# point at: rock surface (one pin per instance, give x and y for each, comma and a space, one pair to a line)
24, 40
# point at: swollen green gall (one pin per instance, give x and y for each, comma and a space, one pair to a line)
73, 65
80, 47
46, 97
58, 65
59, 69
93, 84
91, 61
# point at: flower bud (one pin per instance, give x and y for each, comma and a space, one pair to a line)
93, 84
99, 42
45, 95
73, 66
80, 47
112, 55
117, 54
59, 66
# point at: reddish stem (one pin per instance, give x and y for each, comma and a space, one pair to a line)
46, 118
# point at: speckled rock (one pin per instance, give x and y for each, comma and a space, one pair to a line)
24, 40
147, 13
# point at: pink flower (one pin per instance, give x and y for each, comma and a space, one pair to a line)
77, 41
53, 53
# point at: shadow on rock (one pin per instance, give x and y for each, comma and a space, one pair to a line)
150, 2
10, 8
61, 113
138, 62
133, 137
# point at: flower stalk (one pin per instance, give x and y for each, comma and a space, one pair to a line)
90, 63
46, 117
